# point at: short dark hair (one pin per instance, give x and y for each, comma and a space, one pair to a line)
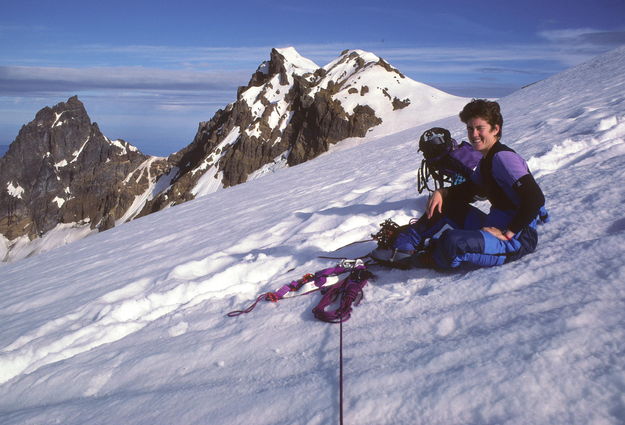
488, 110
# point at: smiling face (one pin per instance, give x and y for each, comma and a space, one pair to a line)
481, 134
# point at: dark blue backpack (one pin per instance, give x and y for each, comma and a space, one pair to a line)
444, 160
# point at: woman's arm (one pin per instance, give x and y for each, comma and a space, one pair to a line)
435, 202
532, 198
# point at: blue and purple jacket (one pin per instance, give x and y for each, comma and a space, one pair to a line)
504, 178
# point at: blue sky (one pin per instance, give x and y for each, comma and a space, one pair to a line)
150, 71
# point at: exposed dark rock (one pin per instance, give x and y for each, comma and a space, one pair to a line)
61, 169
384, 64
277, 112
400, 104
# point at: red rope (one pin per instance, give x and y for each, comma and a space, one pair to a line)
269, 296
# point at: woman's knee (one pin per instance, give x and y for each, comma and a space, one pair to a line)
452, 247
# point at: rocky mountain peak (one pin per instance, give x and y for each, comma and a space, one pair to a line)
293, 62
291, 111
72, 106
282, 66
62, 169
57, 131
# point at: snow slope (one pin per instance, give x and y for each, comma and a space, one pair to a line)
128, 326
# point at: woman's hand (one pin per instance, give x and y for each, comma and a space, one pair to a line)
503, 236
435, 202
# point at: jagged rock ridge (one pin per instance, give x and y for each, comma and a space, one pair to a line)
290, 111
62, 169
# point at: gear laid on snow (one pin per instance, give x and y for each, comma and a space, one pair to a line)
348, 289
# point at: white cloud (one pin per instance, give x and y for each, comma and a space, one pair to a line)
587, 36
50, 79
575, 45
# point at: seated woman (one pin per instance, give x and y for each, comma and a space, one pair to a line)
466, 235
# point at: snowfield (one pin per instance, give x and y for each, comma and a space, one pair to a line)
129, 326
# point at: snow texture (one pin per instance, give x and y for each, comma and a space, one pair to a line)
128, 326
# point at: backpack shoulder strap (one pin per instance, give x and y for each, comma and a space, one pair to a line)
496, 195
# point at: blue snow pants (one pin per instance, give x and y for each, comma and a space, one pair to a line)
457, 239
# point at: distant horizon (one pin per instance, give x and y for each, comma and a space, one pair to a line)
193, 128
150, 73
186, 135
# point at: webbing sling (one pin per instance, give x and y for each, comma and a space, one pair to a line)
349, 289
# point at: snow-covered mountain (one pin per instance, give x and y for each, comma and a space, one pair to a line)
128, 326
290, 112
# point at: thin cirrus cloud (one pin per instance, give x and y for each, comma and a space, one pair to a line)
31, 79
584, 36
25, 80
176, 55
572, 46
